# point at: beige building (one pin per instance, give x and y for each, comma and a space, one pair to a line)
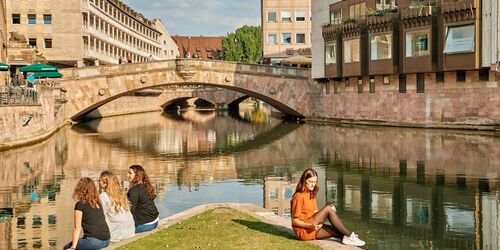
3, 32
286, 29
169, 47
82, 32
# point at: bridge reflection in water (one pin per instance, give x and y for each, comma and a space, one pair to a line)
398, 188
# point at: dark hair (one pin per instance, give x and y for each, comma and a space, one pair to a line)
301, 186
142, 178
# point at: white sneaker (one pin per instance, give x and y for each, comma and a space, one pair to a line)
353, 240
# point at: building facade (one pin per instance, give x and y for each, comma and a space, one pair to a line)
286, 29
81, 33
169, 47
385, 39
3, 32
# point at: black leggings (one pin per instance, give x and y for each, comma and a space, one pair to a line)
337, 229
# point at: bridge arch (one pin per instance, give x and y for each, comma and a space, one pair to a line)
286, 89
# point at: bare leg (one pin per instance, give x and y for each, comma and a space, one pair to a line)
327, 212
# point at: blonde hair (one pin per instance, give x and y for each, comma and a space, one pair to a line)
86, 192
118, 198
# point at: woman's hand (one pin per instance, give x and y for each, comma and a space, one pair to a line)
333, 208
317, 226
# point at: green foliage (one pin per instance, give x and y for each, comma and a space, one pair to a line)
372, 12
220, 228
244, 45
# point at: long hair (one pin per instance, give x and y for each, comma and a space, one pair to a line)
301, 186
86, 192
118, 199
142, 178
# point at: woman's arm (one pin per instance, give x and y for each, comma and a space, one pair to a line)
133, 197
298, 223
77, 228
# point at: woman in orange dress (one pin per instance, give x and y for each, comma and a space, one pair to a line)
307, 220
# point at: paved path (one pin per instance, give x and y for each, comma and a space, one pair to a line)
251, 209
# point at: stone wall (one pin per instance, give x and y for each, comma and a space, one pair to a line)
25, 124
471, 104
127, 105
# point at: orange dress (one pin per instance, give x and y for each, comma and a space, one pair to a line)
303, 207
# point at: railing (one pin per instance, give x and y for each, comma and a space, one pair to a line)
20, 95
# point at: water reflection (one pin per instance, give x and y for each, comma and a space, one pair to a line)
398, 188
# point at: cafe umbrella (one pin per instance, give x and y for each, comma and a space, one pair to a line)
4, 67
39, 67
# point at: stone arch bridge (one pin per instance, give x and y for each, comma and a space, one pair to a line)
286, 89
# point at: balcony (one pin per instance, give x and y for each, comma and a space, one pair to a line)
330, 31
454, 6
99, 56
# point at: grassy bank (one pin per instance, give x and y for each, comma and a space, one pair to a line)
221, 228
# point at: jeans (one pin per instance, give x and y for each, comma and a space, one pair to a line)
144, 228
88, 243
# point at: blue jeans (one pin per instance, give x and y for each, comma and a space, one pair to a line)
88, 243
144, 228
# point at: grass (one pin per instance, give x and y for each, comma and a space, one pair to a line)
221, 228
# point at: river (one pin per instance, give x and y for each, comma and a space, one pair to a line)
398, 188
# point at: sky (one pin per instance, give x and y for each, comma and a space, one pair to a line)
200, 17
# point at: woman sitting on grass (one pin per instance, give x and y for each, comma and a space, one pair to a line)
307, 221
89, 214
141, 195
116, 208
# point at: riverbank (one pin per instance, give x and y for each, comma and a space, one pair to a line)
266, 216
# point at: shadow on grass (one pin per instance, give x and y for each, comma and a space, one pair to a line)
267, 228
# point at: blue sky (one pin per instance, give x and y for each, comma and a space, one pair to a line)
200, 17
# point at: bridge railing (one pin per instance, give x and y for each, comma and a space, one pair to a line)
194, 64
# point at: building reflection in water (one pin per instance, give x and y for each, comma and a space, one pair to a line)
398, 188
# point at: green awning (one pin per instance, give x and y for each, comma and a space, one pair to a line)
4, 67
45, 74
39, 67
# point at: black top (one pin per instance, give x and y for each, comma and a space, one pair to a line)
143, 208
93, 221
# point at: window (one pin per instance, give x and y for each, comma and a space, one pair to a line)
402, 83
336, 17
420, 83
48, 43
286, 16
357, 11
351, 51
459, 39
461, 76
300, 16
271, 16
360, 85
16, 18
417, 43
300, 38
381, 47
31, 18
372, 84
439, 76
384, 4
272, 39
336, 87
330, 54
484, 74
286, 38
32, 42
47, 19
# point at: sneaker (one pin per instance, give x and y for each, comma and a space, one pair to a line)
353, 240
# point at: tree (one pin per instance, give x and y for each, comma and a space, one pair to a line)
244, 45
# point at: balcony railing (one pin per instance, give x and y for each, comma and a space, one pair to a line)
18, 95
